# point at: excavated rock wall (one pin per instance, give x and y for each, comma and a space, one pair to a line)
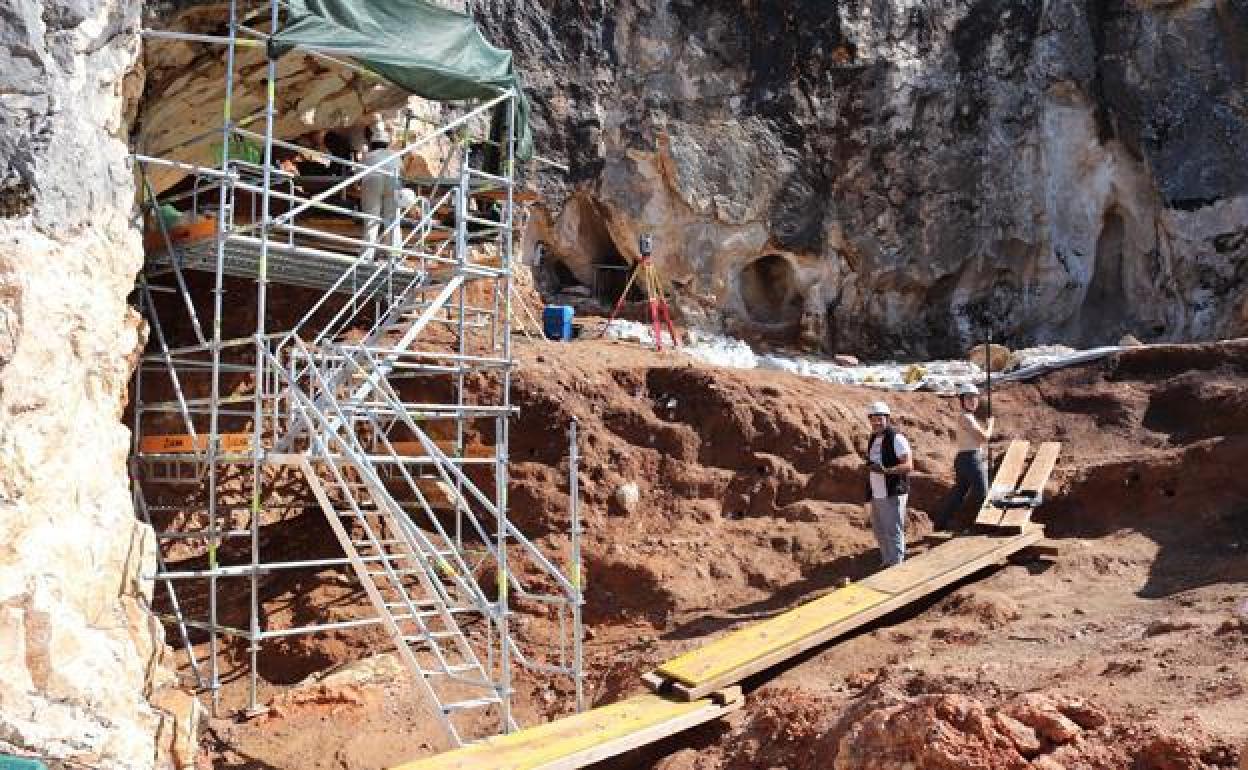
877, 176
81, 671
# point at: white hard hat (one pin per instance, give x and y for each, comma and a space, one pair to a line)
378, 133
878, 407
405, 198
967, 389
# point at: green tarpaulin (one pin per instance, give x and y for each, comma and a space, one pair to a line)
430, 51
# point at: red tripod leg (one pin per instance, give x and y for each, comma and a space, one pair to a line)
667, 316
654, 309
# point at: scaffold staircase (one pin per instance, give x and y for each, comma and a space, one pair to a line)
331, 399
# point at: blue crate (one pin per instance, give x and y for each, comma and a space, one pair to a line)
557, 322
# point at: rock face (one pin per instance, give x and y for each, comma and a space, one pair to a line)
80, 656
179, 116
899, 175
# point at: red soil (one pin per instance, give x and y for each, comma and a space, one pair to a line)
1123, 651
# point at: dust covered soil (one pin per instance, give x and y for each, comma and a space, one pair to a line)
1127, 649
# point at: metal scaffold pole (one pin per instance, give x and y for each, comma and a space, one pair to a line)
223, 216
257, 448
574, 507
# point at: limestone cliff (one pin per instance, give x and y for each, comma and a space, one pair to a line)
80, 656
896, 175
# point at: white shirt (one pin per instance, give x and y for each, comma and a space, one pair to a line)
377, 188
901, 447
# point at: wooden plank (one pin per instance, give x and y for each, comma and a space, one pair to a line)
1034, 482
416, 449
1008, 474
183, 443
730, 653
581, 739
201, 229
932, 563
975, 553
518, 196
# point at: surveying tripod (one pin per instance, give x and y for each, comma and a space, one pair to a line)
660, 313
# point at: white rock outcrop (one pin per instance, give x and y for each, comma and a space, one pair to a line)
82, 664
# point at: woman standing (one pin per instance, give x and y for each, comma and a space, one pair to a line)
969, 472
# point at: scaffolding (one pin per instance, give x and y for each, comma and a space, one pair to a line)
385, 405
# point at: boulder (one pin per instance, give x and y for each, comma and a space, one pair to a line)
627, 496
996, 357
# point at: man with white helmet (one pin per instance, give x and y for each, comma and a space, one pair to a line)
889, 463
970, 475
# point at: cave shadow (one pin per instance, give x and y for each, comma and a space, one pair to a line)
1184, 564
245, 762
699, 738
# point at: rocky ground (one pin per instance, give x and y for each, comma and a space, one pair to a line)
1125, 650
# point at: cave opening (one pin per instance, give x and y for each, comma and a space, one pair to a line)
1104, 314
769, 291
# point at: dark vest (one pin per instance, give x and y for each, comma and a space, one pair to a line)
895, 485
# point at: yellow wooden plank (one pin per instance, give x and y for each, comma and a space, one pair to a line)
547, 745
1037, 477
739, 648
929, 572
932, 564
1008, 474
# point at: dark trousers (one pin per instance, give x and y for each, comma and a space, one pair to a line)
970, 477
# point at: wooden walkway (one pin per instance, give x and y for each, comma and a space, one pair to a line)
697, 687
585, 738
701, 685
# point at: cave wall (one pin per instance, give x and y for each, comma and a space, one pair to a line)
930, 170
82, 670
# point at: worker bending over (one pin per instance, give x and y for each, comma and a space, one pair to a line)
889, 464
970, 475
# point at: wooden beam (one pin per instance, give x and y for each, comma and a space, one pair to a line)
1033, 484
183, 443
747, 652
1006, 480
582, 739
518, 196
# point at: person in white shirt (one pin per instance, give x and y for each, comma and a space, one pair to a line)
970, 475
377, 191
889, 464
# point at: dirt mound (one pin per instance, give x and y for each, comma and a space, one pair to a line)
748, 490
887, 729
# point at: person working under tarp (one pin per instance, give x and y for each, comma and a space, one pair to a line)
378, 189
328, 163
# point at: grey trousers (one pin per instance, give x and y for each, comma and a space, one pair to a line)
888, 520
